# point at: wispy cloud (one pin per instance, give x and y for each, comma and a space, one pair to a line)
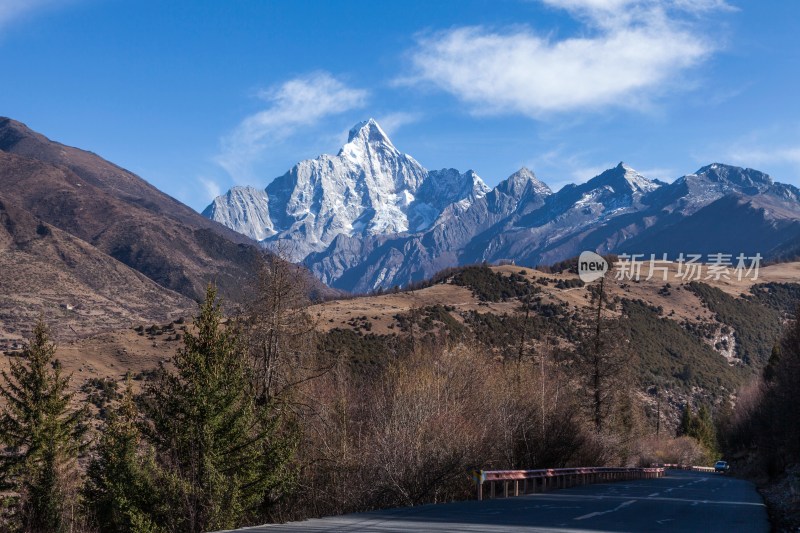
392, 122
616, 12
630, 52
211, 187
664, 174
292, 105
12, 10
752, 156
584, 174
559, 166
769, 147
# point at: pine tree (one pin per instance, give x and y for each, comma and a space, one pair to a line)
773, 363
602, 362
780, 440
218, 452
121, 488
700, 427
45, 436
705, 431
687, 421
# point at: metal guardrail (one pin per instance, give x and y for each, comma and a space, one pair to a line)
531, 481
674, 466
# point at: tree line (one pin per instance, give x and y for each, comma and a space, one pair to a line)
763, 432
252, 422
206, 445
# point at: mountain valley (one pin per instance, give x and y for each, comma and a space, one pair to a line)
459, 278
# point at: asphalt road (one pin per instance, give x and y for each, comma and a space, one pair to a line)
680, 501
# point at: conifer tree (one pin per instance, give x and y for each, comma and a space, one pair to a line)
121, 488
686, 424
705, 431
602, 360
780, 438
700, 427
44, 435
773, 363
219, 454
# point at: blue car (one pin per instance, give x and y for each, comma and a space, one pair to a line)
721, 466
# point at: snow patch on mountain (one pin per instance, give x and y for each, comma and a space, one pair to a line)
243, 209
637, 182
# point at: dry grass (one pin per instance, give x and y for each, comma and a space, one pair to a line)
113, 353
109, 355
678, 303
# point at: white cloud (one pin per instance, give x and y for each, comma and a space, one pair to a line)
771, 146
584, 174
667, 175
617, 14
392, 122
629, 52
606, 5
295, 104
703, 6
559, 167
211, 187
752, 156
625, 7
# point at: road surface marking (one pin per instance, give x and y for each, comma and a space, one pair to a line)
654, 495
617, 508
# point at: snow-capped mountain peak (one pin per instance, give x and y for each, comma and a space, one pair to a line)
367, 140
368, 188
478, 186
638, 182
623, 179
368, 131
523, 181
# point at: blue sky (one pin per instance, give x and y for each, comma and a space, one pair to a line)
196, 96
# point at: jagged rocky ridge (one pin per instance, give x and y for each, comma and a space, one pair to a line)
368, 188
371, 217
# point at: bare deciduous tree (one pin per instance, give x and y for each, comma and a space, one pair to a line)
279, 328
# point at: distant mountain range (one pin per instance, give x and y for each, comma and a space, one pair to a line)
372, 217
369, 217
